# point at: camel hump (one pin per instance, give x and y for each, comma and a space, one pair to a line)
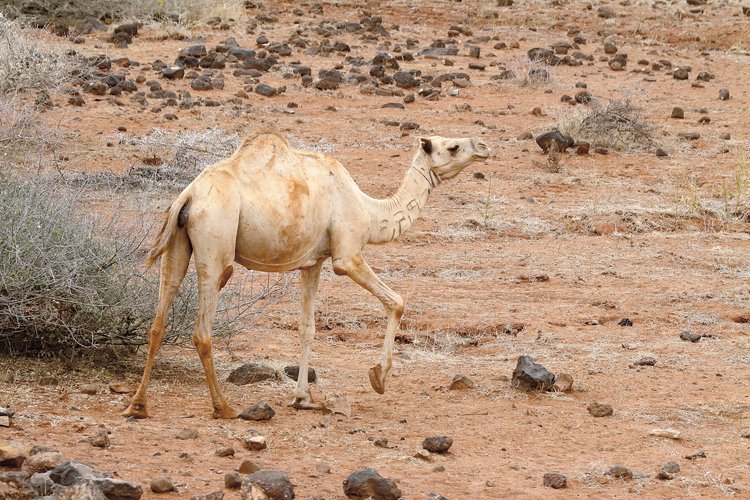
258, 139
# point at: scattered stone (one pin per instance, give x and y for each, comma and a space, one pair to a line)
606, 12
42, 462
201, 83
437, 444
744, 434
531, 376
90, 389
6, 412
119, 489
690, 337
563, 383
725, 136
689, 136
233, 480
187, 434
665, 433
12, 453
258, 412
661, 152
678, 113
583, 148
562, 142
256, 443
671, 467
600, 409
724, 94
461, 382
525, 136
248, 467
555, 480
680, 74
409, 126
704, 119
4, 421
225, 452
173, 72
619, 472
251, 373
625, 322
367, 483
292, 372
583, 97
546, 56
100, 439
645, 361
381, 442
161, 484
266, 90
273, 484
216, 495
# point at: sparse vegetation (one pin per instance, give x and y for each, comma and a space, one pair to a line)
619, 124
68, 281
181, 11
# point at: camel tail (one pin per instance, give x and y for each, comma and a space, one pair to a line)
176, 218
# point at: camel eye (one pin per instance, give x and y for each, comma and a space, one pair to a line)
453, 149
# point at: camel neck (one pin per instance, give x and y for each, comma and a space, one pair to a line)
392, 216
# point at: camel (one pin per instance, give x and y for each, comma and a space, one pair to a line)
273, 208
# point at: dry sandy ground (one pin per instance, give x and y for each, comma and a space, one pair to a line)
566, 254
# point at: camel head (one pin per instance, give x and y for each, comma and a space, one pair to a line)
448, 157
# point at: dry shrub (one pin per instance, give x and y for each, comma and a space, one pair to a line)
181, 11
68, 281
28, 61
618, 125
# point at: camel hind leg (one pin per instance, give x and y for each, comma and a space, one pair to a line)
174, 264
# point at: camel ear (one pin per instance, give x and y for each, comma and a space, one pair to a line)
426, 145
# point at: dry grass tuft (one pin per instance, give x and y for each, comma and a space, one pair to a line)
618, 125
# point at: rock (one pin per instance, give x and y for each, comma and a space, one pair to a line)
201, 83
724, 94
619, 472
666, 433
292, 371
161, 484
645, 361
96, 88
274, 484
216, 495
461, 382
367, 483
187, 434
405, 80
437, 444
562, 142
259, 412
266, 90
725, 136
173, 72
678, 113
680, 74
42, 462
4, 421
664, 475
744, 434
546, 56
610, 48
251, 373
90, 389
119, 489
583, 97
225, 452
563, 383
555, 480
606, 12
256, 443
661, 152
705, 76
474, 52
538, 75
6, 412
248, 467
531, 376
12, 453
381, 442
671, 467
690, 337
233, 480
409, 126
100, 439
600, 409
689, 136
694, 456
70, 472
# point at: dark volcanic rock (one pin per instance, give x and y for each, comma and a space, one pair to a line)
678, 113
259, 412
690, 337
274, 484
367, 483
437, 444
724, 94
531, 376
292, 371
119, 489
250, 373
555, 480
405, 80
546, 140
547, 56
173, 72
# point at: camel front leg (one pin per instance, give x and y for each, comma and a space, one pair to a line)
309, 279
358, 270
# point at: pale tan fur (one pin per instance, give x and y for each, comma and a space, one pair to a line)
272, 208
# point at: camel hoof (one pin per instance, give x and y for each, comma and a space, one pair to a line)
377, 381
226, 412
306, 404
136, 410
